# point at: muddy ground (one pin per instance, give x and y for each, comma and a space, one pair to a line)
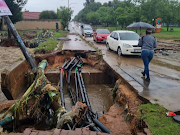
8, 57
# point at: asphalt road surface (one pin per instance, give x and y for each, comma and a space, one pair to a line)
165, 76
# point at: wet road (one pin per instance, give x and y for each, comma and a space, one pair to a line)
165, 81
76, 43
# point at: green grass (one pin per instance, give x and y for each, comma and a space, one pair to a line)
98, 52
48, 45
159, 123
51, 43
61, 45
60, 33
164, 35
20, 59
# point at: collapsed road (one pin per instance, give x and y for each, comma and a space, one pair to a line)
126, 75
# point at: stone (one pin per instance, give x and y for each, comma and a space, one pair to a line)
147, 131
27, 131
57, 131
141, 133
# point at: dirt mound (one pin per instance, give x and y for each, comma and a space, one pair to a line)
6, 104
114, 120
8, 42
122, 116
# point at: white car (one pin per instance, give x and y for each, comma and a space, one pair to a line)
124, 42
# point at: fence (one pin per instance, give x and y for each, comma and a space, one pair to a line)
38, 24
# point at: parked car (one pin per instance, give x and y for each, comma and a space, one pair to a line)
87, 30
124, 43
100, 35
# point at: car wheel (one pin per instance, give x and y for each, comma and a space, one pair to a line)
93, 38
107, 46
119, 52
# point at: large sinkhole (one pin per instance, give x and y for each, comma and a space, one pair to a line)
99, 81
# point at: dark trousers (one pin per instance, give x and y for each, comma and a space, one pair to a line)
147, 56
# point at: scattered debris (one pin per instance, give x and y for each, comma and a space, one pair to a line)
1, 129
63, 39
166, 54
177, 118
35, 103
171, 114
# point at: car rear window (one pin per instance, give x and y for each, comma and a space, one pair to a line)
87, 28
103, 32
129, 36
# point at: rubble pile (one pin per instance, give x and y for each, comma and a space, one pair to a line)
31, 39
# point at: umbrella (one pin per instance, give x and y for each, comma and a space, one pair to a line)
140, 25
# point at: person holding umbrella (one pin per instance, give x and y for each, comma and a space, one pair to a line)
148, 43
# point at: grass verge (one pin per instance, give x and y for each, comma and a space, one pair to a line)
158, 122
92, 45
20, 59
48, 45
61, 33
164, 35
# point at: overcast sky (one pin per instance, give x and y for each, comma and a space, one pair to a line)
40, 5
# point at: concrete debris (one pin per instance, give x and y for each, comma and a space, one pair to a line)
1, 129
166, 54
64, 39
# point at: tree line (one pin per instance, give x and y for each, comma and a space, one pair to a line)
128, 11
63, 13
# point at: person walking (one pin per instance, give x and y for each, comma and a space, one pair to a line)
147, 43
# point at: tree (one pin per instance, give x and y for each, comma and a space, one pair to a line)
82, 15
168, 11
88, 2
177, 14
105, 4
115, 4
48, 15
16, 6
93, 17
150, 10
109, 4
64, 14
106, 15
124, 15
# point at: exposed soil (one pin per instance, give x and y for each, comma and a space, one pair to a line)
8, 57
6, 104
122, 116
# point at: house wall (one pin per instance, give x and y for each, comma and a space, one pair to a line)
38, 24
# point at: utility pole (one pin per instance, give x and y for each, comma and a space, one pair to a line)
68, 4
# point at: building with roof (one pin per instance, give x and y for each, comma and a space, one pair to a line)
31, 21
30, 15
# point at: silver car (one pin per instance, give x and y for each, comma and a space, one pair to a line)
87, 31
